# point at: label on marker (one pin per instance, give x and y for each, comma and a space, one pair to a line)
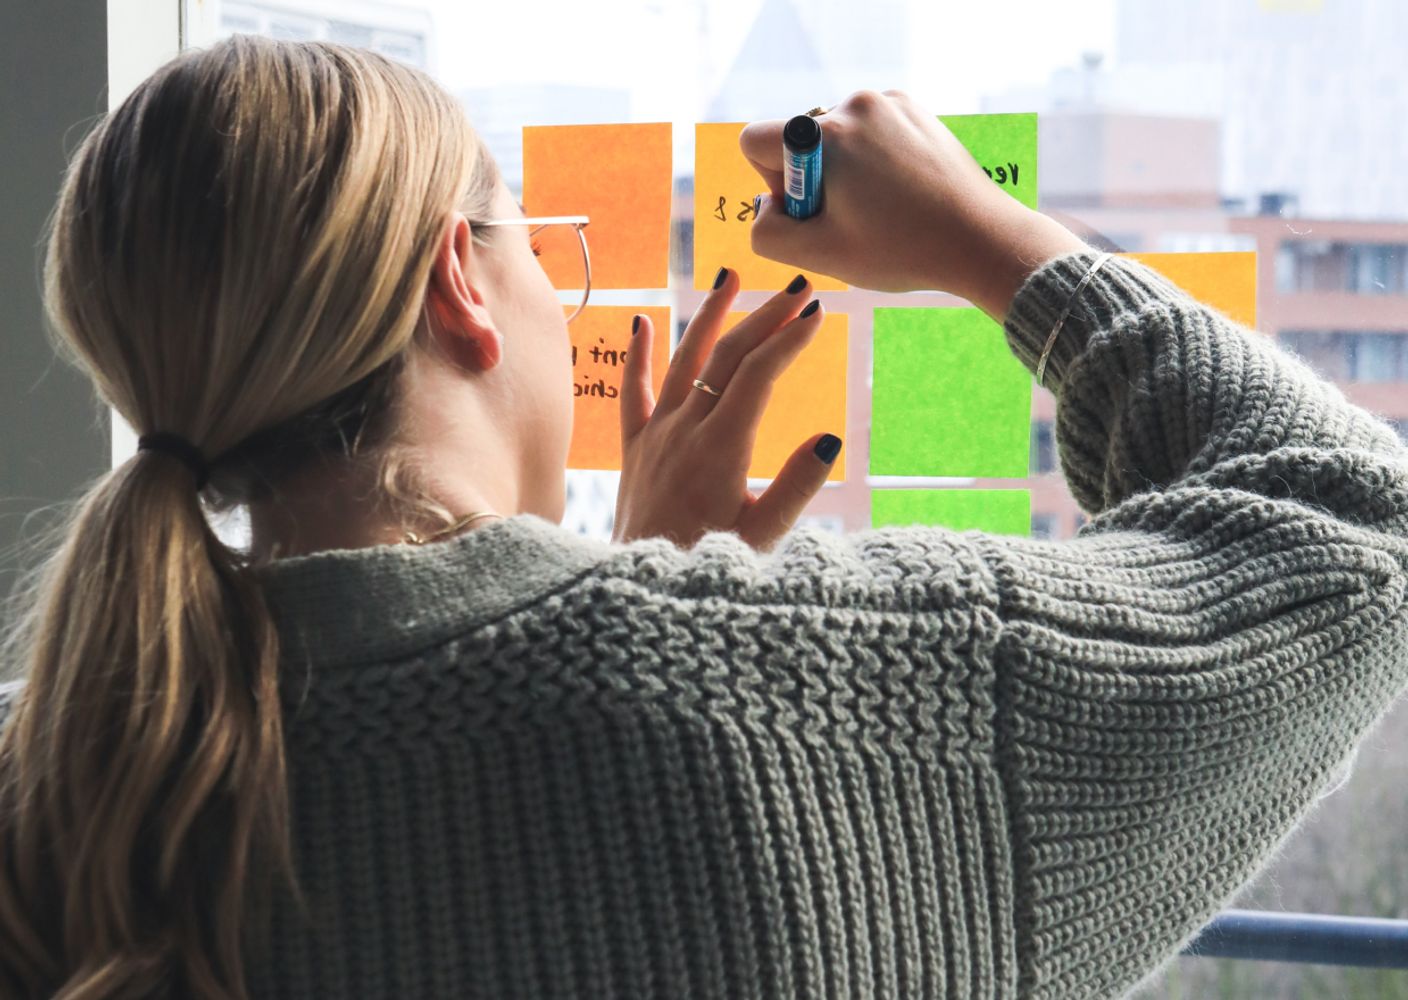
797, 177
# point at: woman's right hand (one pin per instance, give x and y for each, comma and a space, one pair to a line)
904, 207
685, 457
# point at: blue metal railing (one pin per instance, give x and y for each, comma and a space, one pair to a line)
1304, 937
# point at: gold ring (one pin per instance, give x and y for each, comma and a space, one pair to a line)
817, 111
701, 384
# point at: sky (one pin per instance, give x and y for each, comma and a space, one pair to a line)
981, 48
672, 53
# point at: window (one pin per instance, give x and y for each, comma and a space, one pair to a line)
398, 32
1378, 268
1043, 448
719, 60
1351, 356
1044, 525
1362, 268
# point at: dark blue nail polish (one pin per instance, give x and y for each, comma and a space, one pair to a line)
720, 278
827, 448
798, 283
757, 205
812, 307
635, 325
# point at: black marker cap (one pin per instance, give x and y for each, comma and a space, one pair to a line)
802, 134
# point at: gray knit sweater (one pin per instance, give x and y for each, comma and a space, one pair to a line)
900, 763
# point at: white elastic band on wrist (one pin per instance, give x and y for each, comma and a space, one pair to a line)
1056, 330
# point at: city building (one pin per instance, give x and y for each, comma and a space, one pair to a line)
1334, 291
1303, 91
1244, 126
402, 32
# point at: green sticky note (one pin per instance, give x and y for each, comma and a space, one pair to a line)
948, 398
1004, 146
1003, 512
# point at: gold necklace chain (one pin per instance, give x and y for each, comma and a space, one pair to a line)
468, 519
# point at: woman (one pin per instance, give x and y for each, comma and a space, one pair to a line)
514, 762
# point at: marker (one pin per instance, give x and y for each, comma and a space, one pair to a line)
801, 166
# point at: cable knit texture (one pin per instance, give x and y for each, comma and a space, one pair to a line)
900, 763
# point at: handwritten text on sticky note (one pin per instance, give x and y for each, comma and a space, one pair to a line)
601, 339
725, 184
1004, 146
620, 176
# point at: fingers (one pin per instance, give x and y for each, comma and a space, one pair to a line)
637, 396
738, 343
698, 341
739, 411
761, 143
774, 513
773, 233
798, 242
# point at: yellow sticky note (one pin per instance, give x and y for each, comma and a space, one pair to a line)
620, 176
725, 185
1225, 281
809, 398
601, 336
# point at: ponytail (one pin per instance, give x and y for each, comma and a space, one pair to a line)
144, 788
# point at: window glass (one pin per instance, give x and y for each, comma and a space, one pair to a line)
1352, 356
1273, 126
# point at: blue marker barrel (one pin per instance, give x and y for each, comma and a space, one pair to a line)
801, 166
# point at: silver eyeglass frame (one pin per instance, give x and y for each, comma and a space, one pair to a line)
541, 222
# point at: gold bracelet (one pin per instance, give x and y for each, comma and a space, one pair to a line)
1060, 320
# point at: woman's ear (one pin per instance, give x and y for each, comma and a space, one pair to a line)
462, 321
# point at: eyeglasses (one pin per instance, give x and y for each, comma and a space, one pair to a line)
539, 223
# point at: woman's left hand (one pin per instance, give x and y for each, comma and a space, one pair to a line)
685, 459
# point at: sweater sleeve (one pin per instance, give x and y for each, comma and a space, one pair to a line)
1176, 685
1155, 389
975, 765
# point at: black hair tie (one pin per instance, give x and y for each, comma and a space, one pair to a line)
174, 444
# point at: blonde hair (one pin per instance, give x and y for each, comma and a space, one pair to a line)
238, 255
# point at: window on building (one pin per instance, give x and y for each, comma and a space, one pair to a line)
1378, 268
1043, 458
682, 247
1352, 356
1312, 266
1326, 266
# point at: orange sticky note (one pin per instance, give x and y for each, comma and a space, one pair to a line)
601, 336
1225, 281
725, 185
809, 398
620, 176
